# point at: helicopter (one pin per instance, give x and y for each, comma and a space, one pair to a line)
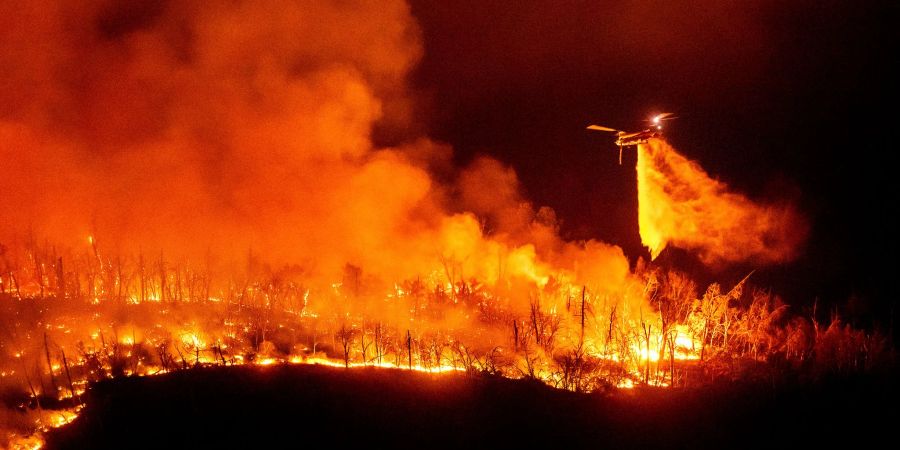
626, 139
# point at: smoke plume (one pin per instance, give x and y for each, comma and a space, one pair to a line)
222, 128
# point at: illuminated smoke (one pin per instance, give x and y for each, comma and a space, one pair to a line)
214, 130
682, 206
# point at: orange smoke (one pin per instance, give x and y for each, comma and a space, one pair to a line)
681, 205
207, 131
201, 128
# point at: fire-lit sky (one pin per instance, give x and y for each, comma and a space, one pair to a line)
258, 118
792, 101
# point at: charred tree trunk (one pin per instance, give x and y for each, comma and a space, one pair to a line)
379, 345
409, 348
362, 344
535, 311
68, 374
34, 394
672, 361
346, 338
609, 333
516, 335
583, 289
15, 281
163, 288
648, 329
120, 281
143, 277
60, 280
177, 297
50, 364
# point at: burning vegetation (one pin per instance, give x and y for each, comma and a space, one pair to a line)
100, 316
184, 187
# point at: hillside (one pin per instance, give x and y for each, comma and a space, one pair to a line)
289, 406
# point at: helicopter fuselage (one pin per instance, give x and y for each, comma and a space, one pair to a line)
626, 139
640, 137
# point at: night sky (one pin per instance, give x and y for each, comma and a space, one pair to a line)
784, 101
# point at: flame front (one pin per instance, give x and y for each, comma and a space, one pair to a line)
681, 205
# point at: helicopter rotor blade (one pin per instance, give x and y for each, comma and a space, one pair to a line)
601, 128
662, 116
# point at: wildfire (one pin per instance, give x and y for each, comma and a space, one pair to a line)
654, 329
32, 442
484, 305
223, 202
46, 420
685, 346
58, 418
